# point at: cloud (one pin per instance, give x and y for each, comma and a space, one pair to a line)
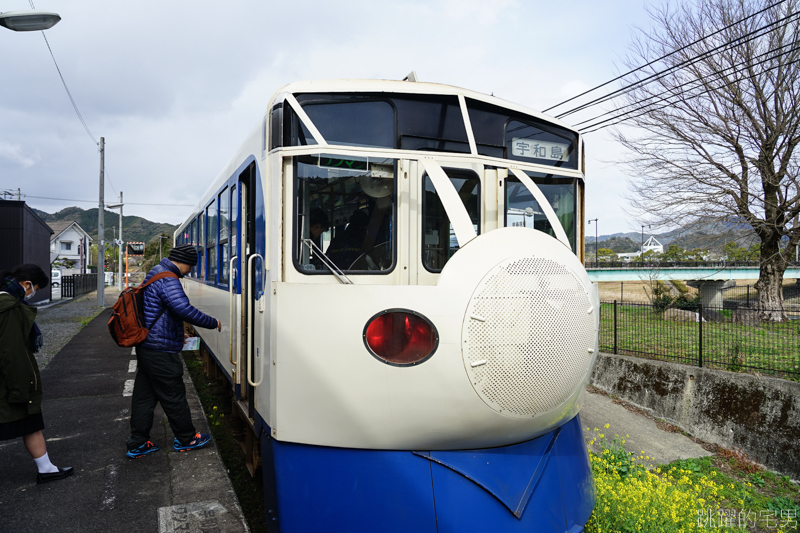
174, 87
15, 154
481, 11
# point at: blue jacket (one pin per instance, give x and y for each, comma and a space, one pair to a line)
167, 295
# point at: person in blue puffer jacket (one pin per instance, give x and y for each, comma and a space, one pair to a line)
159, 371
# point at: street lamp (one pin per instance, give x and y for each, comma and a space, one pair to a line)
641, 251
30, 20
596, 246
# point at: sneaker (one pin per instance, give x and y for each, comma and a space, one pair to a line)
141, 451
199, 440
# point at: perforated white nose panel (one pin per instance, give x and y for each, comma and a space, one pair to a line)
527, 336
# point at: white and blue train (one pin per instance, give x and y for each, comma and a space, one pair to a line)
410, 328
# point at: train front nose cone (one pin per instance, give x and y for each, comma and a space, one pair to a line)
527, 332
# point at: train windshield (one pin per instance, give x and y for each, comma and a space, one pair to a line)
521, 209
405, 121
344, 208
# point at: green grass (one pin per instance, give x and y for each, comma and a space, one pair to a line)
772, 349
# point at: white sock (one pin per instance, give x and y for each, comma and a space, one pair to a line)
44, 465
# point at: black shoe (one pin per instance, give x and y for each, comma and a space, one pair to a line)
54, 476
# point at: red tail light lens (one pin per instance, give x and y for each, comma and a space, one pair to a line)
400, 337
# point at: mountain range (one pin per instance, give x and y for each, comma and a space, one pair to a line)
134, 229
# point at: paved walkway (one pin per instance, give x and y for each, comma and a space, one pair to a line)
644, 434
86, 423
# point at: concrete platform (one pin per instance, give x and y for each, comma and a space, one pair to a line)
87, 419
661, 446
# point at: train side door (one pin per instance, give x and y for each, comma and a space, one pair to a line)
248, 264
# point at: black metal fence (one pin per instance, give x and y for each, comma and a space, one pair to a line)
636, 264
733, 297
727, 339
72, 286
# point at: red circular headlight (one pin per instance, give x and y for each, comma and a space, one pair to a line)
400, 337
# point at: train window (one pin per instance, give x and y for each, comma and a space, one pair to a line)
193, 241
276, 126
524, 211
211, 242
503, 133
410, 122
295, 132
346, 207
224, 229
439, 240
234, 223
357, 123
201, 247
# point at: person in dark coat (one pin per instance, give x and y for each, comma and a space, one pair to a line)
20, 382
159, 371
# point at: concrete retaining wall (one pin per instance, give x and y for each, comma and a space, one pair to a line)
760, 415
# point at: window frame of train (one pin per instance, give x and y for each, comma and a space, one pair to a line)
211, 242
545, 182
334, 164
223, 237
453, 173
201, 223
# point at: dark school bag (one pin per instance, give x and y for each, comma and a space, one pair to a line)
127, 324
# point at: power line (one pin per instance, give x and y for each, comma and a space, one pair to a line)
658, 75
595, 127
69, 94
663, 57
655, 98
95, 201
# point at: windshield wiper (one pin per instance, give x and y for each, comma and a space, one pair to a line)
327, 262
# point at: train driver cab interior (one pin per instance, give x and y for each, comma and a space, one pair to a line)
345, 214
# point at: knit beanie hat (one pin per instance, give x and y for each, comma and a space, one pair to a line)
185, 253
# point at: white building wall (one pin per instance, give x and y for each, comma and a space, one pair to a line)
68, 246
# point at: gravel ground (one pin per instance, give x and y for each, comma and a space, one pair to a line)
62, 321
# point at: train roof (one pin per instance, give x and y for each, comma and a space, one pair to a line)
370, 86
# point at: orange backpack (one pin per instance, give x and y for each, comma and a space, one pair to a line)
127, 324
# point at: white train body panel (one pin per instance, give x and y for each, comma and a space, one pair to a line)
331, 391
516, 317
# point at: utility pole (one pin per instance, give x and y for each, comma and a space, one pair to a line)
121, 242
101, 245
596, 246
160, 237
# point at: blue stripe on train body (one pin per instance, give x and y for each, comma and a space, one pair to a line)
543, 485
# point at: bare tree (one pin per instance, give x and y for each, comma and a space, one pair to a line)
717, 123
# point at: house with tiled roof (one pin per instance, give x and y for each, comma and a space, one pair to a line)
69, 247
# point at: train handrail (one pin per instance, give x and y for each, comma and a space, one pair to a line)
250, 282
312, 247
232, 290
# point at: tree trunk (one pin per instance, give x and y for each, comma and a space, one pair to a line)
770, 282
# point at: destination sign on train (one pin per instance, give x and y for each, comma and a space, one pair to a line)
540, 149
376, 170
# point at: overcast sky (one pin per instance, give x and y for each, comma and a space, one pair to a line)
175, 86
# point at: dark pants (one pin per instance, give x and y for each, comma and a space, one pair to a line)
159, 379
